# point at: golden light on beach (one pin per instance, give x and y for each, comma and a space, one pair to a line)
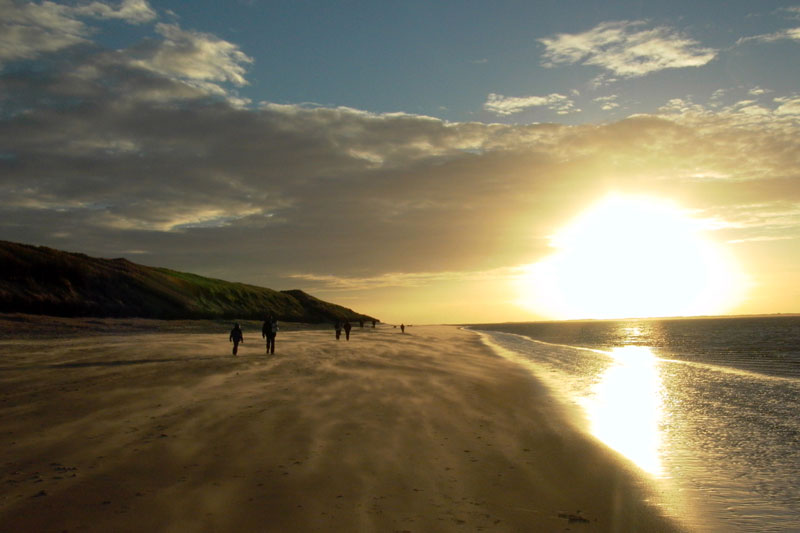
632, 256
625, 407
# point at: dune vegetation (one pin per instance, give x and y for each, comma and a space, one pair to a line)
44, 281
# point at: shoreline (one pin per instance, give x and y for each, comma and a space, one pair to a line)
427, 431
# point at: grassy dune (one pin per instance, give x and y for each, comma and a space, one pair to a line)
44, 281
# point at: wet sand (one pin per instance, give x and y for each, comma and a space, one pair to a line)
427, 431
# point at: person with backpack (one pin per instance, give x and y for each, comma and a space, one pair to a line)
236, 337
269, 331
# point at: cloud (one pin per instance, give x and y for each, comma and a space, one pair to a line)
756, 222
28, 30
192, 56
788, 105
791, 34
133, 11
183, 63
607, 103
625, 50
345, 193
404, 279
508, 105
720, 94
756, 113
792, 12
680, 106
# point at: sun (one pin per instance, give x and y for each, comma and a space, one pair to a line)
632, 256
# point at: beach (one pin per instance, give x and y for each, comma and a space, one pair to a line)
424, 431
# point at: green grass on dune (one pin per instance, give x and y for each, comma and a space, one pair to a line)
40, 280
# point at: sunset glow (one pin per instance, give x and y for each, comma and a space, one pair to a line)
370, 160
630, 256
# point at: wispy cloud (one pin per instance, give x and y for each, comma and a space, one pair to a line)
757, 91
192, 55
755, 222
792, 12
788, 105
201, 63
792, 34
627, 50
28, 30
408, 279
133, 11
607, 103
508, 105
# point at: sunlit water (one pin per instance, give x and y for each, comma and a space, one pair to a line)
709, 406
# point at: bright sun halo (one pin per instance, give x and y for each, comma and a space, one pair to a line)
631, 256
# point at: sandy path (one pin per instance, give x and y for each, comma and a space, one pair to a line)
427, 431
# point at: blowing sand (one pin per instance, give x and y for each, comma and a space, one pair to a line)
427, 431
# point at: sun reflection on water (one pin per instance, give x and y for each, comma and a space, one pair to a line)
625, 407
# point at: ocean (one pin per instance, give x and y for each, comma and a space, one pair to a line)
708, 408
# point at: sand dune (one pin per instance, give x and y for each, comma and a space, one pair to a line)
428, 431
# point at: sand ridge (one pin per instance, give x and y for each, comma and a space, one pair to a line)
427, 431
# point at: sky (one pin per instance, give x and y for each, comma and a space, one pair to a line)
422, 162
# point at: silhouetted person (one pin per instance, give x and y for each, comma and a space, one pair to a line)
338, 327
402, 328
347, 328
236, 337
361, 323
266, 327
269, 331
373, 323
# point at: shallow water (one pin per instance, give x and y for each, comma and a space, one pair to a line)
707, 406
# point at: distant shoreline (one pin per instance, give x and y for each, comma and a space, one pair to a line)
17, 325
699, 317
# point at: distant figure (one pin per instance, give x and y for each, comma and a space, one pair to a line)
269, 331
361, 323
373, 323
338, 327
402, 328
236, 337
347, 328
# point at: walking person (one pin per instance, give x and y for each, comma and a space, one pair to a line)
402, 328
347, 328
236, 337
269, 331
338, 327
